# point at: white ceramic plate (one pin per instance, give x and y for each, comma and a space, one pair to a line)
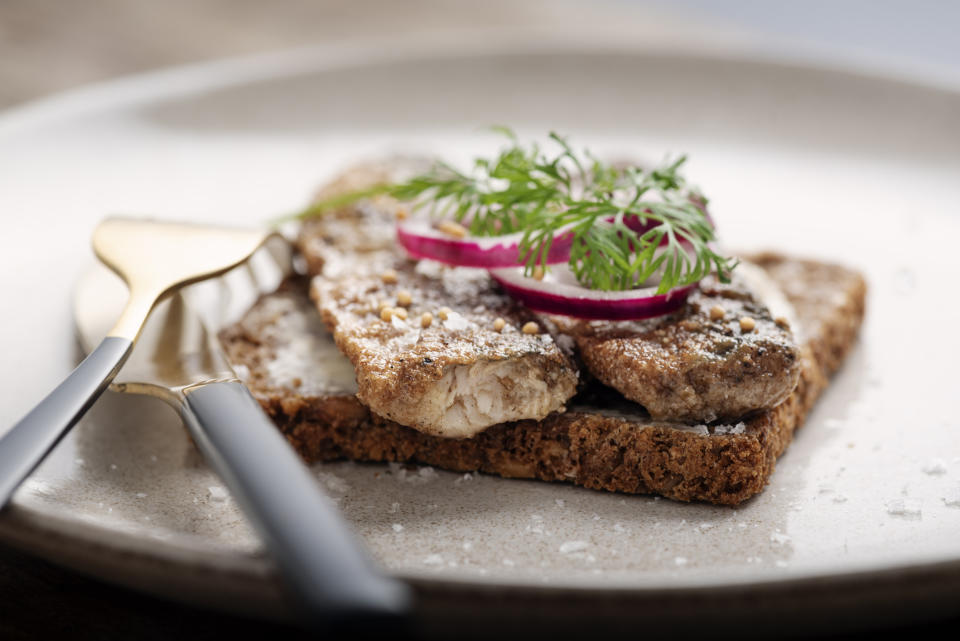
823, 163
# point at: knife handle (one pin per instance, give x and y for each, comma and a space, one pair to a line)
28, 442
330, 575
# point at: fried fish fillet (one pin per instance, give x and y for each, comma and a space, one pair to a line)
357, 236
452, 376
721, 356
442, 350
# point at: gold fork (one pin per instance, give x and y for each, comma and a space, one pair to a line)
331, 577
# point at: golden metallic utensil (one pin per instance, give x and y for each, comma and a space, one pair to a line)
154, 259
179, 360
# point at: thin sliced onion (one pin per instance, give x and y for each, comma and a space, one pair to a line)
421, 240
559, 293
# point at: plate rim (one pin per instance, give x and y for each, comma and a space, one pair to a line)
179, 80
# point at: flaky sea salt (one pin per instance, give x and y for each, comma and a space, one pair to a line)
397, 527
952, 498
619, 528
904, 507
433, 559
218, 493
455, 322
333, 483
935, 467
422, 475
680, 560
561, 503
739, 428
573, 546
779, 538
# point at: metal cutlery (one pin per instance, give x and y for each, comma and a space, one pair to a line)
178, 360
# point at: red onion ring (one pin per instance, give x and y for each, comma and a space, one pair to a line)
556, 294
421, 240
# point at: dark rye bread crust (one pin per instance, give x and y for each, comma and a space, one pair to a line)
621, 450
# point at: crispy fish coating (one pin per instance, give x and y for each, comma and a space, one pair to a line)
456, 374
723, 355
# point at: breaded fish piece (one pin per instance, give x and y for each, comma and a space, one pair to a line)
362, 235
721, 356
454, 375
465, 356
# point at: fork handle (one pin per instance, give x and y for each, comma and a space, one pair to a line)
28, 442
329, 574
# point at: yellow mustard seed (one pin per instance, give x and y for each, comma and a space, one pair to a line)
402, 214
747, 324
531, 328
538, 273
499, 324
716, 313
426, 320
443, 313
404, 298
389, 276
400, 313
453, 229
386, 314
782, 322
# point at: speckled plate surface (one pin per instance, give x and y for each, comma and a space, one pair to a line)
855, 168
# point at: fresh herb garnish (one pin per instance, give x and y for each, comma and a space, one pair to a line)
523, 189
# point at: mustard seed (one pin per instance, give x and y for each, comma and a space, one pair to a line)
453, 229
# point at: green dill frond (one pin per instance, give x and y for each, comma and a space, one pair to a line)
524, 189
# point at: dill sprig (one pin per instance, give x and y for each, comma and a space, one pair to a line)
523, 189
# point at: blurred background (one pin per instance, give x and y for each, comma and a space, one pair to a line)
51, 45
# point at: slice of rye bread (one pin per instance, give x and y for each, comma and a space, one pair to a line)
603, 442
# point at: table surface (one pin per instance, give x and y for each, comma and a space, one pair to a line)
48, 46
